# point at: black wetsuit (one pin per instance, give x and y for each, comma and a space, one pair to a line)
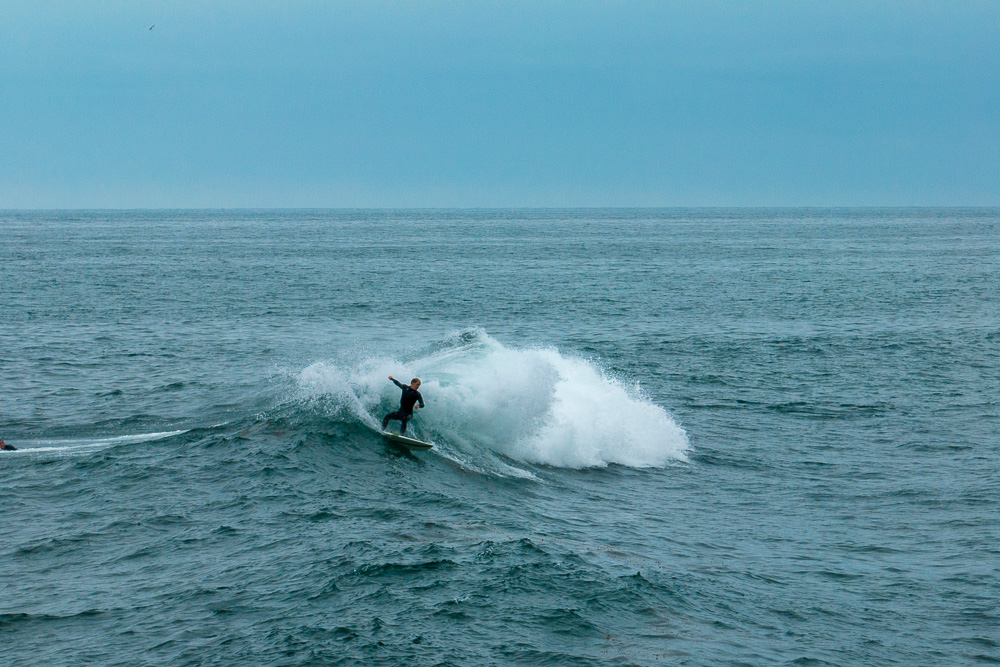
7, 448
405, 412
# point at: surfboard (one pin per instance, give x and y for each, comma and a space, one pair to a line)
406, 442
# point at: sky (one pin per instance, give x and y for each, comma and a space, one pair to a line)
299, 103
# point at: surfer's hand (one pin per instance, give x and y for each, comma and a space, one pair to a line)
390, 377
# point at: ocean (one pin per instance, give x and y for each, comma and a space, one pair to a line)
661, 436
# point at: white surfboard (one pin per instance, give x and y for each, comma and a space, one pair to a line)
406, 442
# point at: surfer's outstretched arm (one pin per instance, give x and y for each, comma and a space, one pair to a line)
397, 382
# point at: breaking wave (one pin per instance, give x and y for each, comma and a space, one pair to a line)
534, 405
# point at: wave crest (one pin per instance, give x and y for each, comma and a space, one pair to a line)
534, 405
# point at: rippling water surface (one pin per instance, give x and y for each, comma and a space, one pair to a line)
661, 437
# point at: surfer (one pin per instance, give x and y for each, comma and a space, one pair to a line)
4, 447
406, 404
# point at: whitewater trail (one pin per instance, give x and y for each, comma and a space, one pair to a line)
66, 447
531, 405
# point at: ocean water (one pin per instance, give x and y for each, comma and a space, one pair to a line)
689, 437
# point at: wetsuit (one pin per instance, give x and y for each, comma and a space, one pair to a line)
405, 412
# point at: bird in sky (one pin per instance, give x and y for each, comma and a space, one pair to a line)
152, 26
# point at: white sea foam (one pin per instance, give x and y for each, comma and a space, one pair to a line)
534, 405
82, 445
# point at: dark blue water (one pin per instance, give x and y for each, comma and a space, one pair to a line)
661, 437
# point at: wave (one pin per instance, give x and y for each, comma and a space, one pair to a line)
82, 445
534, 405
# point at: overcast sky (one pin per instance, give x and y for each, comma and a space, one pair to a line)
386, 104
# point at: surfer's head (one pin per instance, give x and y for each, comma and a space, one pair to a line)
414, 383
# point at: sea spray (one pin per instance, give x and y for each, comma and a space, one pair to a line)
535, 405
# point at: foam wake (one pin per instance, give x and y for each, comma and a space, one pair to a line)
534, 405
82, 445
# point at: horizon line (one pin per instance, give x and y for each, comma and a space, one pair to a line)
504, 208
